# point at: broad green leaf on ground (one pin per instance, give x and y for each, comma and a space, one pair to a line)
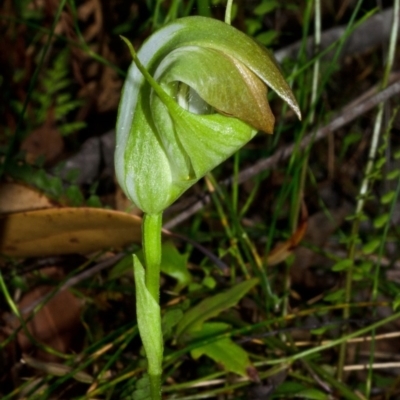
66, 230
223, 351
193, 319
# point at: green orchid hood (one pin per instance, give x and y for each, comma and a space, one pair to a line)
197, 95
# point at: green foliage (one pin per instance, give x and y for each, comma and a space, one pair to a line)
58, 189
336, 296
170, 319
212, 306
342, 265
174, 265
299, 391
55, 94
223, 351
142, 390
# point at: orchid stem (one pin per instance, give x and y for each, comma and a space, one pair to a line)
151, 239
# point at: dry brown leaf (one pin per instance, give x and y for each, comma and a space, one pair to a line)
91, 9
283, 250
45, 141
66, 230
15, 197
54, 325
110, 94
57, 369
320, 229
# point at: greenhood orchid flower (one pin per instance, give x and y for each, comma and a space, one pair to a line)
195, 94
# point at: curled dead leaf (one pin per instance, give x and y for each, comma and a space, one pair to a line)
283, 250
67, 230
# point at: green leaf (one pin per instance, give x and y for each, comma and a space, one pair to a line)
294, 390
267, 38
170, 319
393, 174
319, 331
223, 351
149, 320
174, 264
334, 297
365, 267
193, 287
289, 387
380, 162
342, 265
381, 221
370, 247
348, 140
212, 306
252, 25
209, 282
94, 201
313, 394
388, 197
121, 267
396, 302
74, 195
265, 7
142, 389
71, 127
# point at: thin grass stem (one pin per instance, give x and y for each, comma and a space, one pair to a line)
228, 12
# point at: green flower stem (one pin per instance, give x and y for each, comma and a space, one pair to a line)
152, 252
155, 386
151, 239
